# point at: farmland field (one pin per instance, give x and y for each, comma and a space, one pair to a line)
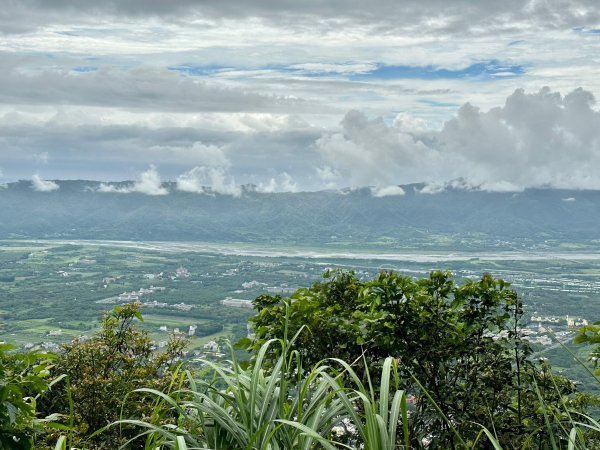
53, 291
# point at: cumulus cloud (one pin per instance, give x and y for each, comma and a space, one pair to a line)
387, 191
326, 173
205, 179
328, 176
368, 151
281, 183
541, 139
533, 139
39, 185
149, 183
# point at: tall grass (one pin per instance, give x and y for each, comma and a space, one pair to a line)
279, 407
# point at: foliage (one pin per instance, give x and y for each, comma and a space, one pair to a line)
102, 370
282, 407
23, 377
458, 347
590, 334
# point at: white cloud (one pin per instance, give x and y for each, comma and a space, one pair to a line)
179, 84
326, 173
534, 140
205, 179
501, 186
39, 185
387, 191
370, 152
110, 188
329, 177
149, 183
281, 183
432, 188
334, 68
541, 139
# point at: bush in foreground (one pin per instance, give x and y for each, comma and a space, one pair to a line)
101, 371
23, 378
458, 347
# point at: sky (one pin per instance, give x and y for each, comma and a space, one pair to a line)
296, 96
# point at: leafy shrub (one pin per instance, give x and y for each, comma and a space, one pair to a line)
282, 407
23, 377
458, 347
102, 370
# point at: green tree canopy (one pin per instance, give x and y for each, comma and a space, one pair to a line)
102, 372
457, 345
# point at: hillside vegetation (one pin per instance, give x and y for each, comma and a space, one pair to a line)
378, 364
78, 211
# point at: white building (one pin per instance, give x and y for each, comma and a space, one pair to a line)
211, 346
237, 303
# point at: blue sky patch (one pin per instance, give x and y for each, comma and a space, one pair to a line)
438, 104
84, 69
487, 70
198, 69
584, 30
483, 70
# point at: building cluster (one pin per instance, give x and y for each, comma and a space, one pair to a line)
182, 272
176, 330
134, 296
572, 322
281, 290
179, 306
237, 303
252, 284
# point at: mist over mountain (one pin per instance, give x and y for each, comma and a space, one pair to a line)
78, 210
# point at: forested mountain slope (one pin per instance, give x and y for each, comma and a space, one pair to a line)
78, 211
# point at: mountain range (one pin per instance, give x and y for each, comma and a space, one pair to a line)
78, 210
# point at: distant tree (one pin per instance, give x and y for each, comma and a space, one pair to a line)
458, 345
101, 373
